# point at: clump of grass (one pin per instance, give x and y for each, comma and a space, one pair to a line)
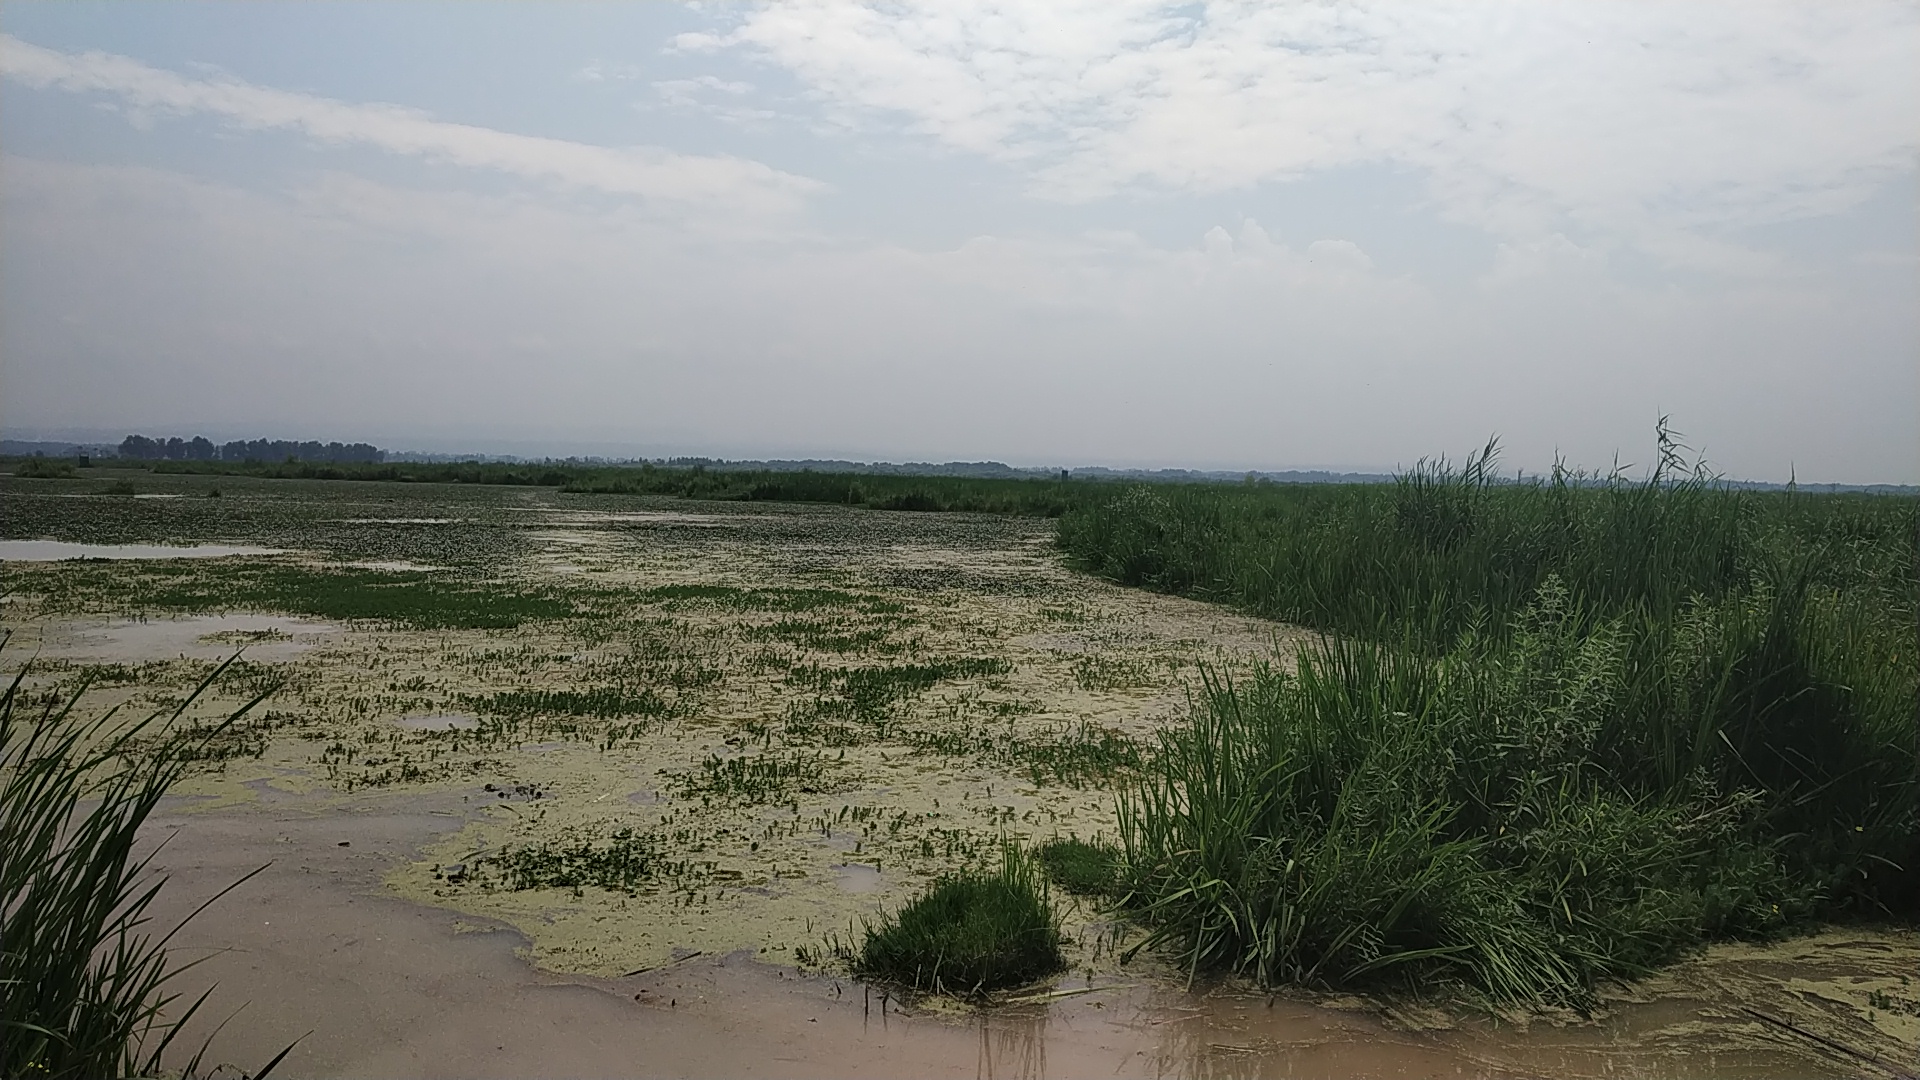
627, 860
85, 982
1080, 867
970, 933
756, 778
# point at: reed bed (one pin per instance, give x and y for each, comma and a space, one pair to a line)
1555, 732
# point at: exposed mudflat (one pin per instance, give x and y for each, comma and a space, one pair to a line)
783, 721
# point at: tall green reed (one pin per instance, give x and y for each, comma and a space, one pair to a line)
83, 977
1557, 731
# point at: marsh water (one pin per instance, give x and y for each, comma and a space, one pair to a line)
395, 749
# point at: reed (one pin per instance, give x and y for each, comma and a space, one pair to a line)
1554, 732
85, 977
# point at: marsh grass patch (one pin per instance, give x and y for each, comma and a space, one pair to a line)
970, 933
1081, 867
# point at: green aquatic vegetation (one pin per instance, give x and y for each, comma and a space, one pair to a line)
1558, 731
753, 779
625, 861
1087, 869
970, 933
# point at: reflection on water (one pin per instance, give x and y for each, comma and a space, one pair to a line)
200, 637
439, 722
56, 550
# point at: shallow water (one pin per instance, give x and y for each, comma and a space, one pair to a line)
199, 637
56, 550
438, 722
391, 988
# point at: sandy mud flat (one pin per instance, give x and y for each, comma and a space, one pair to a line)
609, 797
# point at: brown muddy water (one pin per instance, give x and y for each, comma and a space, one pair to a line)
395, 761
316, 948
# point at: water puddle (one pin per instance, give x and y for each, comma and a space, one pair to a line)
198, 637
858, 878
438, 722
58, 550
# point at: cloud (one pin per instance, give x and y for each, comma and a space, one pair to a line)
1643, 120
140, 297
645, 172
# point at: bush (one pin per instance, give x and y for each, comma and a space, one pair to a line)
42, 468
970, 933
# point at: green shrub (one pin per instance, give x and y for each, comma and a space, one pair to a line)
970, 933
44, 468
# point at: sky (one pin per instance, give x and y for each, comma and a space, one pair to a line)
1204, 235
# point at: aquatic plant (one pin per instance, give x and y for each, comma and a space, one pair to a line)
83, 980
970, 932
1556, 732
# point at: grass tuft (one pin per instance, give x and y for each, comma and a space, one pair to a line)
970, 933
1086, 869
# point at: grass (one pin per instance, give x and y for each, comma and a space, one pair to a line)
1080, 867
1556, 733
86, 978
970, 933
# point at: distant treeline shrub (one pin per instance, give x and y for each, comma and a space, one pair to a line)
198, 448
1557, 731
1038, 497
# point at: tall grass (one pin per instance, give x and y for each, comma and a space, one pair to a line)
83, 978
1555, 732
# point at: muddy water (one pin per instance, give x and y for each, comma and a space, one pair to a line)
372, 985
55, 550
202, 637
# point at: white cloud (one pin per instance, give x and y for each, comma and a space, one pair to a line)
649, 173
145, 298
1649, 121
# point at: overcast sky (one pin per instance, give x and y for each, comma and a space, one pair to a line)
1201, 235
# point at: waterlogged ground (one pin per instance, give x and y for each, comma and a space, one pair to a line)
709, 727
651, 736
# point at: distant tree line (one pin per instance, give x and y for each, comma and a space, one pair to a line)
198, 448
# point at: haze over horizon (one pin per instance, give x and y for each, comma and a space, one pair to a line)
1207, 236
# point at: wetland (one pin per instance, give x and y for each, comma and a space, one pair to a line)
529, 760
